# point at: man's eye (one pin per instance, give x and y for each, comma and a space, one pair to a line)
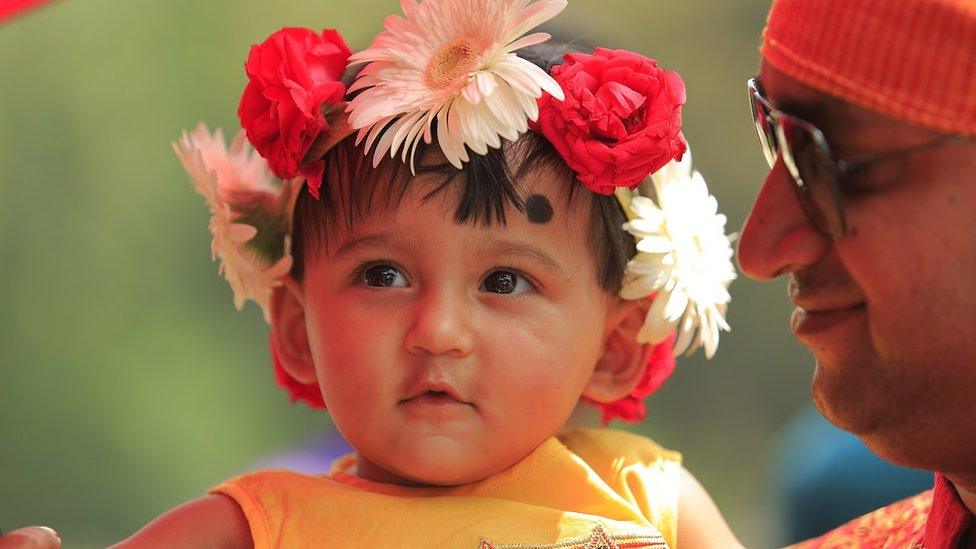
506, 282
866, 180
873, 177
382, 276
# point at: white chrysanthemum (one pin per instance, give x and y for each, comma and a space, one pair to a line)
218, 174
453, 61
683, 256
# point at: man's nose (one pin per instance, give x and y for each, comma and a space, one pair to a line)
778, 237
441, 325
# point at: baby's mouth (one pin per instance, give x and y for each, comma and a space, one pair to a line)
435, 401
434, 392
435, 398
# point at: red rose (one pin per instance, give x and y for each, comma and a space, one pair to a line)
659, 368
621, 120
291, 75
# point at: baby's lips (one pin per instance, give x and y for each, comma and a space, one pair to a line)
425, 387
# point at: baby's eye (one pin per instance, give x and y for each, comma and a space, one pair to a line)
506, 282
382, 276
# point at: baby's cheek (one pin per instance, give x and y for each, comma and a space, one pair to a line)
356, 369
549, 361
543, 386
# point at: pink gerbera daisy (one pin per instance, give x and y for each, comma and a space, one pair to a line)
452, 61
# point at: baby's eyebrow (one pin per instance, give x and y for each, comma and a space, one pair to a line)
526, 250
493, 247
368, 240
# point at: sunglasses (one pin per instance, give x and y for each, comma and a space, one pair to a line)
807, 156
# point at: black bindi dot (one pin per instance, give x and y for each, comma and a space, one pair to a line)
538, 209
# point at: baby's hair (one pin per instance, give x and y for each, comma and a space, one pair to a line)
352, 187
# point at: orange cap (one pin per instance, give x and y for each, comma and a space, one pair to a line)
914, 60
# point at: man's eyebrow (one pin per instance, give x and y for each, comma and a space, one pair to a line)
822, 111
812, 110
526, 250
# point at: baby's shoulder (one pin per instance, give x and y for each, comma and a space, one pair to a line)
210, 522
596, 446
268, 481
240, 512
287, 505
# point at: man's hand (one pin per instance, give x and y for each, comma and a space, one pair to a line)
31, 537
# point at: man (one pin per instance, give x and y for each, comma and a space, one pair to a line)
866, 111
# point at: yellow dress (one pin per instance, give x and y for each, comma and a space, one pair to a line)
587, 488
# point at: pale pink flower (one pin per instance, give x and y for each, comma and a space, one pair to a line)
452, 61
231, 180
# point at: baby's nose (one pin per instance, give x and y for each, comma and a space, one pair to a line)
441, 326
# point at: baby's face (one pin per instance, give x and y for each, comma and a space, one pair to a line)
447, 352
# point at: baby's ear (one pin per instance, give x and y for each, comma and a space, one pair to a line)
288, 331
624, 360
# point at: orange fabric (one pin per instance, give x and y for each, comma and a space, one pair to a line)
598, 487
914, 60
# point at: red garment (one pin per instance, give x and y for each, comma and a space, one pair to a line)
936, 519
948, 519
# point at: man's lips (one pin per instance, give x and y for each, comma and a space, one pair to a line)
813, 319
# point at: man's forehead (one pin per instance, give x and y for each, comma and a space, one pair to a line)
798, 99
842, 121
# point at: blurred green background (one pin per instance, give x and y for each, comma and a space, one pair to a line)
129, 383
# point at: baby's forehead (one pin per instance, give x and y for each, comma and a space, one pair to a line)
523, 188
541, 202
544, 196
550, 216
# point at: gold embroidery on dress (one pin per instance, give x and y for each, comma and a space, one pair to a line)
598, 539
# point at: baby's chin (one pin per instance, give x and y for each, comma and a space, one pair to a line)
448, 461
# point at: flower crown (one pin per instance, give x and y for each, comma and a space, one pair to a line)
451, 68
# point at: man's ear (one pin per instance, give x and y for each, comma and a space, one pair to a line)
624, 360
288, 331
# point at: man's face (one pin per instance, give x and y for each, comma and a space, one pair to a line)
889, 310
